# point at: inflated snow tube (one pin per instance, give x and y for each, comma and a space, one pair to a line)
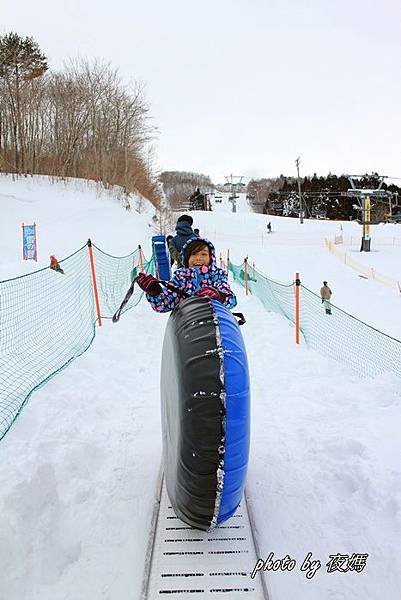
162, 257
205, 412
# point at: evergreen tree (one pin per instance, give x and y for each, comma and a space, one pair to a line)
326, 196
21, 61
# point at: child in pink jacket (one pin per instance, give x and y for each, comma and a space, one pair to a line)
200, 276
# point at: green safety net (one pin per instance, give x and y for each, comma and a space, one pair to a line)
345, 338
275, 296
341, 336
47, 319
114, 275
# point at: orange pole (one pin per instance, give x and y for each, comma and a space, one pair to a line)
93, 273
297, 286
140, 259
246, 275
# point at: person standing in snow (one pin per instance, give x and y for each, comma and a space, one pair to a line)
184, 232
325, 294
269, 227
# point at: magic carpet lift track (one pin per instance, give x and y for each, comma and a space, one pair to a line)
202, 541
185, 563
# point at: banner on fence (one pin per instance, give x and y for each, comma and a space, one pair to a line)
29, 246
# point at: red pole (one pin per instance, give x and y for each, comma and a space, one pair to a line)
246, 275
93, 273
297, 286
228, 260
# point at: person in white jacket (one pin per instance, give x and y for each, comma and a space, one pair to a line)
325, 294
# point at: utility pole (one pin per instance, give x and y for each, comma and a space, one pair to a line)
390, 210
301, 210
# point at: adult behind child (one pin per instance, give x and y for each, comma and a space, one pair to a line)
184, 232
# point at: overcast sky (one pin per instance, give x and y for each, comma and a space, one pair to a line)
244, 86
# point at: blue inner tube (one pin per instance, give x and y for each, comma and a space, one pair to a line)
162, 257
205, 412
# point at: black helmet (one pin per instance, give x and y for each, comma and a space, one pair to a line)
186, 218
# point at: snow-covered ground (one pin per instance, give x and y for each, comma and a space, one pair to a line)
79, 466
292, 247
66, 215
221, 202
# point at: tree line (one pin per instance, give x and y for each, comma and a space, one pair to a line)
82, 121
322, 197
179, 186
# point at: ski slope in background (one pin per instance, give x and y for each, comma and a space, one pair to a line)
221, 202
80, 464
293, 247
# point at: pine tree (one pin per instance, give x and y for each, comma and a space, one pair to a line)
21, 61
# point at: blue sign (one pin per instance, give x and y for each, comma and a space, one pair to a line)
29, 242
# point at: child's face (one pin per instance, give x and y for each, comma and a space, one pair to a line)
199, 258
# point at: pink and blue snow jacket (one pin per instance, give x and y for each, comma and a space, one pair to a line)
189, 280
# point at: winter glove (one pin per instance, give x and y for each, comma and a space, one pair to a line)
212, 293
149, 284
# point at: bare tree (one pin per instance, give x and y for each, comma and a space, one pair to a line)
178, 186
79, 122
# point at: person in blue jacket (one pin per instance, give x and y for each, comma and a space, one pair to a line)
184, 232
199, 276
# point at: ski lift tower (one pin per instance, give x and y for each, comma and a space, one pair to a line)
234, 181
301, 208
363, 196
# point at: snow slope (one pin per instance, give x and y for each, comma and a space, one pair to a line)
292, 247
66, 215
221, 203
80, 464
